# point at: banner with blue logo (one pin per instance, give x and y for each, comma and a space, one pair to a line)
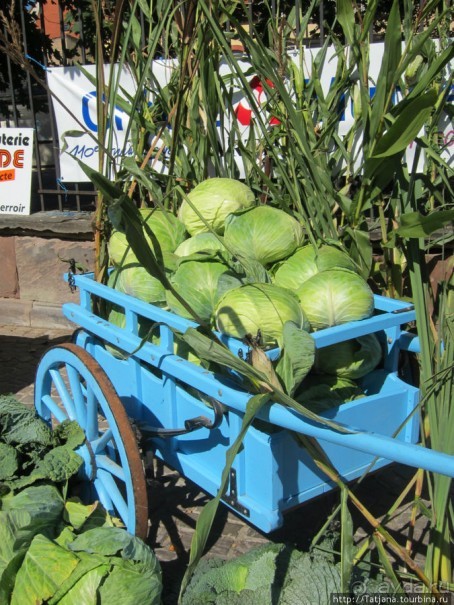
75, 106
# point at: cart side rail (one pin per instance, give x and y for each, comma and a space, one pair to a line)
162, 357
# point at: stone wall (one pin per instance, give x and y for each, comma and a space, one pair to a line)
32, 252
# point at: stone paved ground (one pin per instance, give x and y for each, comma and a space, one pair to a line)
176, 503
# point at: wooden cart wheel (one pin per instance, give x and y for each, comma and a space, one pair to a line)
70, 383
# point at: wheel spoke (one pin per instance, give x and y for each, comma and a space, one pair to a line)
53, 408
103, 495
115, 495
110, 466
92, 429
98, 445
78, 396
65, 397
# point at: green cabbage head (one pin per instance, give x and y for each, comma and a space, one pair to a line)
334, 297
134, 280
167, 230
214, 200
351, 359
306, 262
202, 242
322, 392
201, 283
253, 307
262, 233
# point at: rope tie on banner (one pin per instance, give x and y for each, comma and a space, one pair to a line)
62, 186
33, 60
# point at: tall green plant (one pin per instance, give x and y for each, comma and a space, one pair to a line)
310, 169
336, 185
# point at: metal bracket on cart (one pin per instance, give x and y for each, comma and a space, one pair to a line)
190, 425
231, 498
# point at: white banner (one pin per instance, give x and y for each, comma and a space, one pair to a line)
75, 109
16, 158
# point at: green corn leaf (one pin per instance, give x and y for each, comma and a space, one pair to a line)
347, 548
297, 358
368, 19
406, 126
346, 18
210, 349
357, 241
434, 68
206, 518
387, 565
416, 225
110, 191
386, 78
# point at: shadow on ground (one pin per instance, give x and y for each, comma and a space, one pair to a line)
175, 505
19, 358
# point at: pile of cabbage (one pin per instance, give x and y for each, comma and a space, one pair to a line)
246, 269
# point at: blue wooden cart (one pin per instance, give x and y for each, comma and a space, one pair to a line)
111, 395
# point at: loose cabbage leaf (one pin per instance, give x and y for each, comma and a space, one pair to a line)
85, 590
20, 425
69, 433
10, 461
46, 565
297, 356
43, 503
76, 513
111, 541
8, 575
130, 584
83, 580
267, 574
59, 464
13, 525
310, 580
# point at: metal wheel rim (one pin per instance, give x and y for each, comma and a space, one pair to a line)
90, 389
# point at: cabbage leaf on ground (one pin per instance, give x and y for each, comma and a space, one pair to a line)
40, 453
271, 573
56, 551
